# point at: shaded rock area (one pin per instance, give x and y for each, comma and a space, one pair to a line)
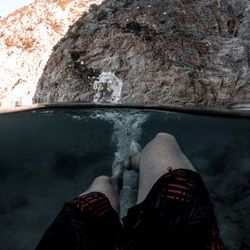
160, 52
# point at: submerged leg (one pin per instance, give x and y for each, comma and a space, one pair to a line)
174, 210
91, 220
109, 186
158, 157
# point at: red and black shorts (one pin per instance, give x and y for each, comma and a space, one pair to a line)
177, 214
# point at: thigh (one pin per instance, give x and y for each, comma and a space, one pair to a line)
105, 185
159, 155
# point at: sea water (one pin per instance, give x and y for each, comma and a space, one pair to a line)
48, 157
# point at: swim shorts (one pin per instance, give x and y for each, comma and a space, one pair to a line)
177, 214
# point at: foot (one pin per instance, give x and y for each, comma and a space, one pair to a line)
133, 160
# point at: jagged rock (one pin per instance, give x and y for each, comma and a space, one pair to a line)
161, 52
27, 37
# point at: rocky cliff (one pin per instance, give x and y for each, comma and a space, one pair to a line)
158, 52
27, 37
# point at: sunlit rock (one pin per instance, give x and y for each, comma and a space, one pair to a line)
163, 52
27, 37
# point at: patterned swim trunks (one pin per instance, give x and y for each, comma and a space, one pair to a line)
177, 214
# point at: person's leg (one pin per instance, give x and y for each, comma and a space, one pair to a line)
109, 186
174, 210
158, 157
89, 221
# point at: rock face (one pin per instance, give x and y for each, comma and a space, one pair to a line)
27, 37
153, 52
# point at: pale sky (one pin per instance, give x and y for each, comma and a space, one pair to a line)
7, 6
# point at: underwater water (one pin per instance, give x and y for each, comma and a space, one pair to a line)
49, 156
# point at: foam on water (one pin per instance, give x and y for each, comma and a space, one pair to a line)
46, 112
127, 127
77, 117
107, 88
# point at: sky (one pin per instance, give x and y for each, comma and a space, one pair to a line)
7, 6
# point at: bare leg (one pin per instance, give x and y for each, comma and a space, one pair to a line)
109, 186
158, 156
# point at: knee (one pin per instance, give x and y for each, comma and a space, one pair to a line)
102, 179
164, 137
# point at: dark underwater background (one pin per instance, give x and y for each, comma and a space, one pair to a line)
47, 157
